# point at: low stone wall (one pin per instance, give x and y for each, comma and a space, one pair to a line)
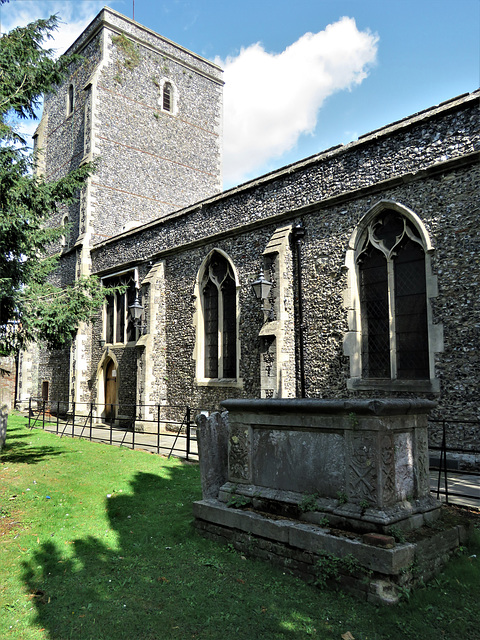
371, 567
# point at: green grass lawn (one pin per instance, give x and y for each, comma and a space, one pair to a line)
97, 542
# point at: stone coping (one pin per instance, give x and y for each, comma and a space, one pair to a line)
379, 572
310, 537
405, 515
376, 407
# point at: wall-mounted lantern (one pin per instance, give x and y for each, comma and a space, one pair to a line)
261, 287
136, 310
101, 342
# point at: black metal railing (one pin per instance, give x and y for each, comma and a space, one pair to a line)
458, 464
171, 430
163, 429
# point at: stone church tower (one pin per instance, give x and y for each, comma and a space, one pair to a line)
149, 112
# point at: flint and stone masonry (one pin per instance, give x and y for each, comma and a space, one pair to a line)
153, 213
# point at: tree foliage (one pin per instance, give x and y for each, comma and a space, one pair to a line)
31, 307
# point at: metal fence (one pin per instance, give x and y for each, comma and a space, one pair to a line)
162, 429
171, 430
457, 465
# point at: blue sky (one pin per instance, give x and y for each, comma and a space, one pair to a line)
289, 95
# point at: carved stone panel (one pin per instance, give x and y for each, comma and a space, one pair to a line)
239, 453
404, 465
268, 366
387, 470
422, 462
362, 468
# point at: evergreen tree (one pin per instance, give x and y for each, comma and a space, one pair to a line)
31, 307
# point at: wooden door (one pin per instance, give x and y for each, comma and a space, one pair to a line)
46, 405
110, 390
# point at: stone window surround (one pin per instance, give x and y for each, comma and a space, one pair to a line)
70, 100
173, 97
353, 339
134, 272
65, 238
107, 357
198, 323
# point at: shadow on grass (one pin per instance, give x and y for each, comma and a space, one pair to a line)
19, 434
117, 590
151, 577
160, 580
15, 451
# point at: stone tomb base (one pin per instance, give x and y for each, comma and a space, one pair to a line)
370, 566
323, 488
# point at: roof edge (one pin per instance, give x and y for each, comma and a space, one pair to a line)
101, 19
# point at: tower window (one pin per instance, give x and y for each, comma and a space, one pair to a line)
65, 238
70, 100
167, 97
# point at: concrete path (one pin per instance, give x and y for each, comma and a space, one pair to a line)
166, 443
468, 485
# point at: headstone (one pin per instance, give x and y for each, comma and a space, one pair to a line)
3, 425
212, 435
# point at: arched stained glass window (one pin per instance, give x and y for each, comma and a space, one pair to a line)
218, 291
393, 300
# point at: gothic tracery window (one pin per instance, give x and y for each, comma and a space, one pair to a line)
218, 293
393, 301
118, 322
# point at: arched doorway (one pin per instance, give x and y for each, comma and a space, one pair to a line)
110, 390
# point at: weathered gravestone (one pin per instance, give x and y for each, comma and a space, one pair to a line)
3, 425
212, 435
318, 478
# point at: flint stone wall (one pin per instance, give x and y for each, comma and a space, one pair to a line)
330, 194
380, 161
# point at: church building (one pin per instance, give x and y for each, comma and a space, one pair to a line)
365, 256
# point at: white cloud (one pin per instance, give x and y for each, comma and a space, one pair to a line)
271, 99
73, 16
